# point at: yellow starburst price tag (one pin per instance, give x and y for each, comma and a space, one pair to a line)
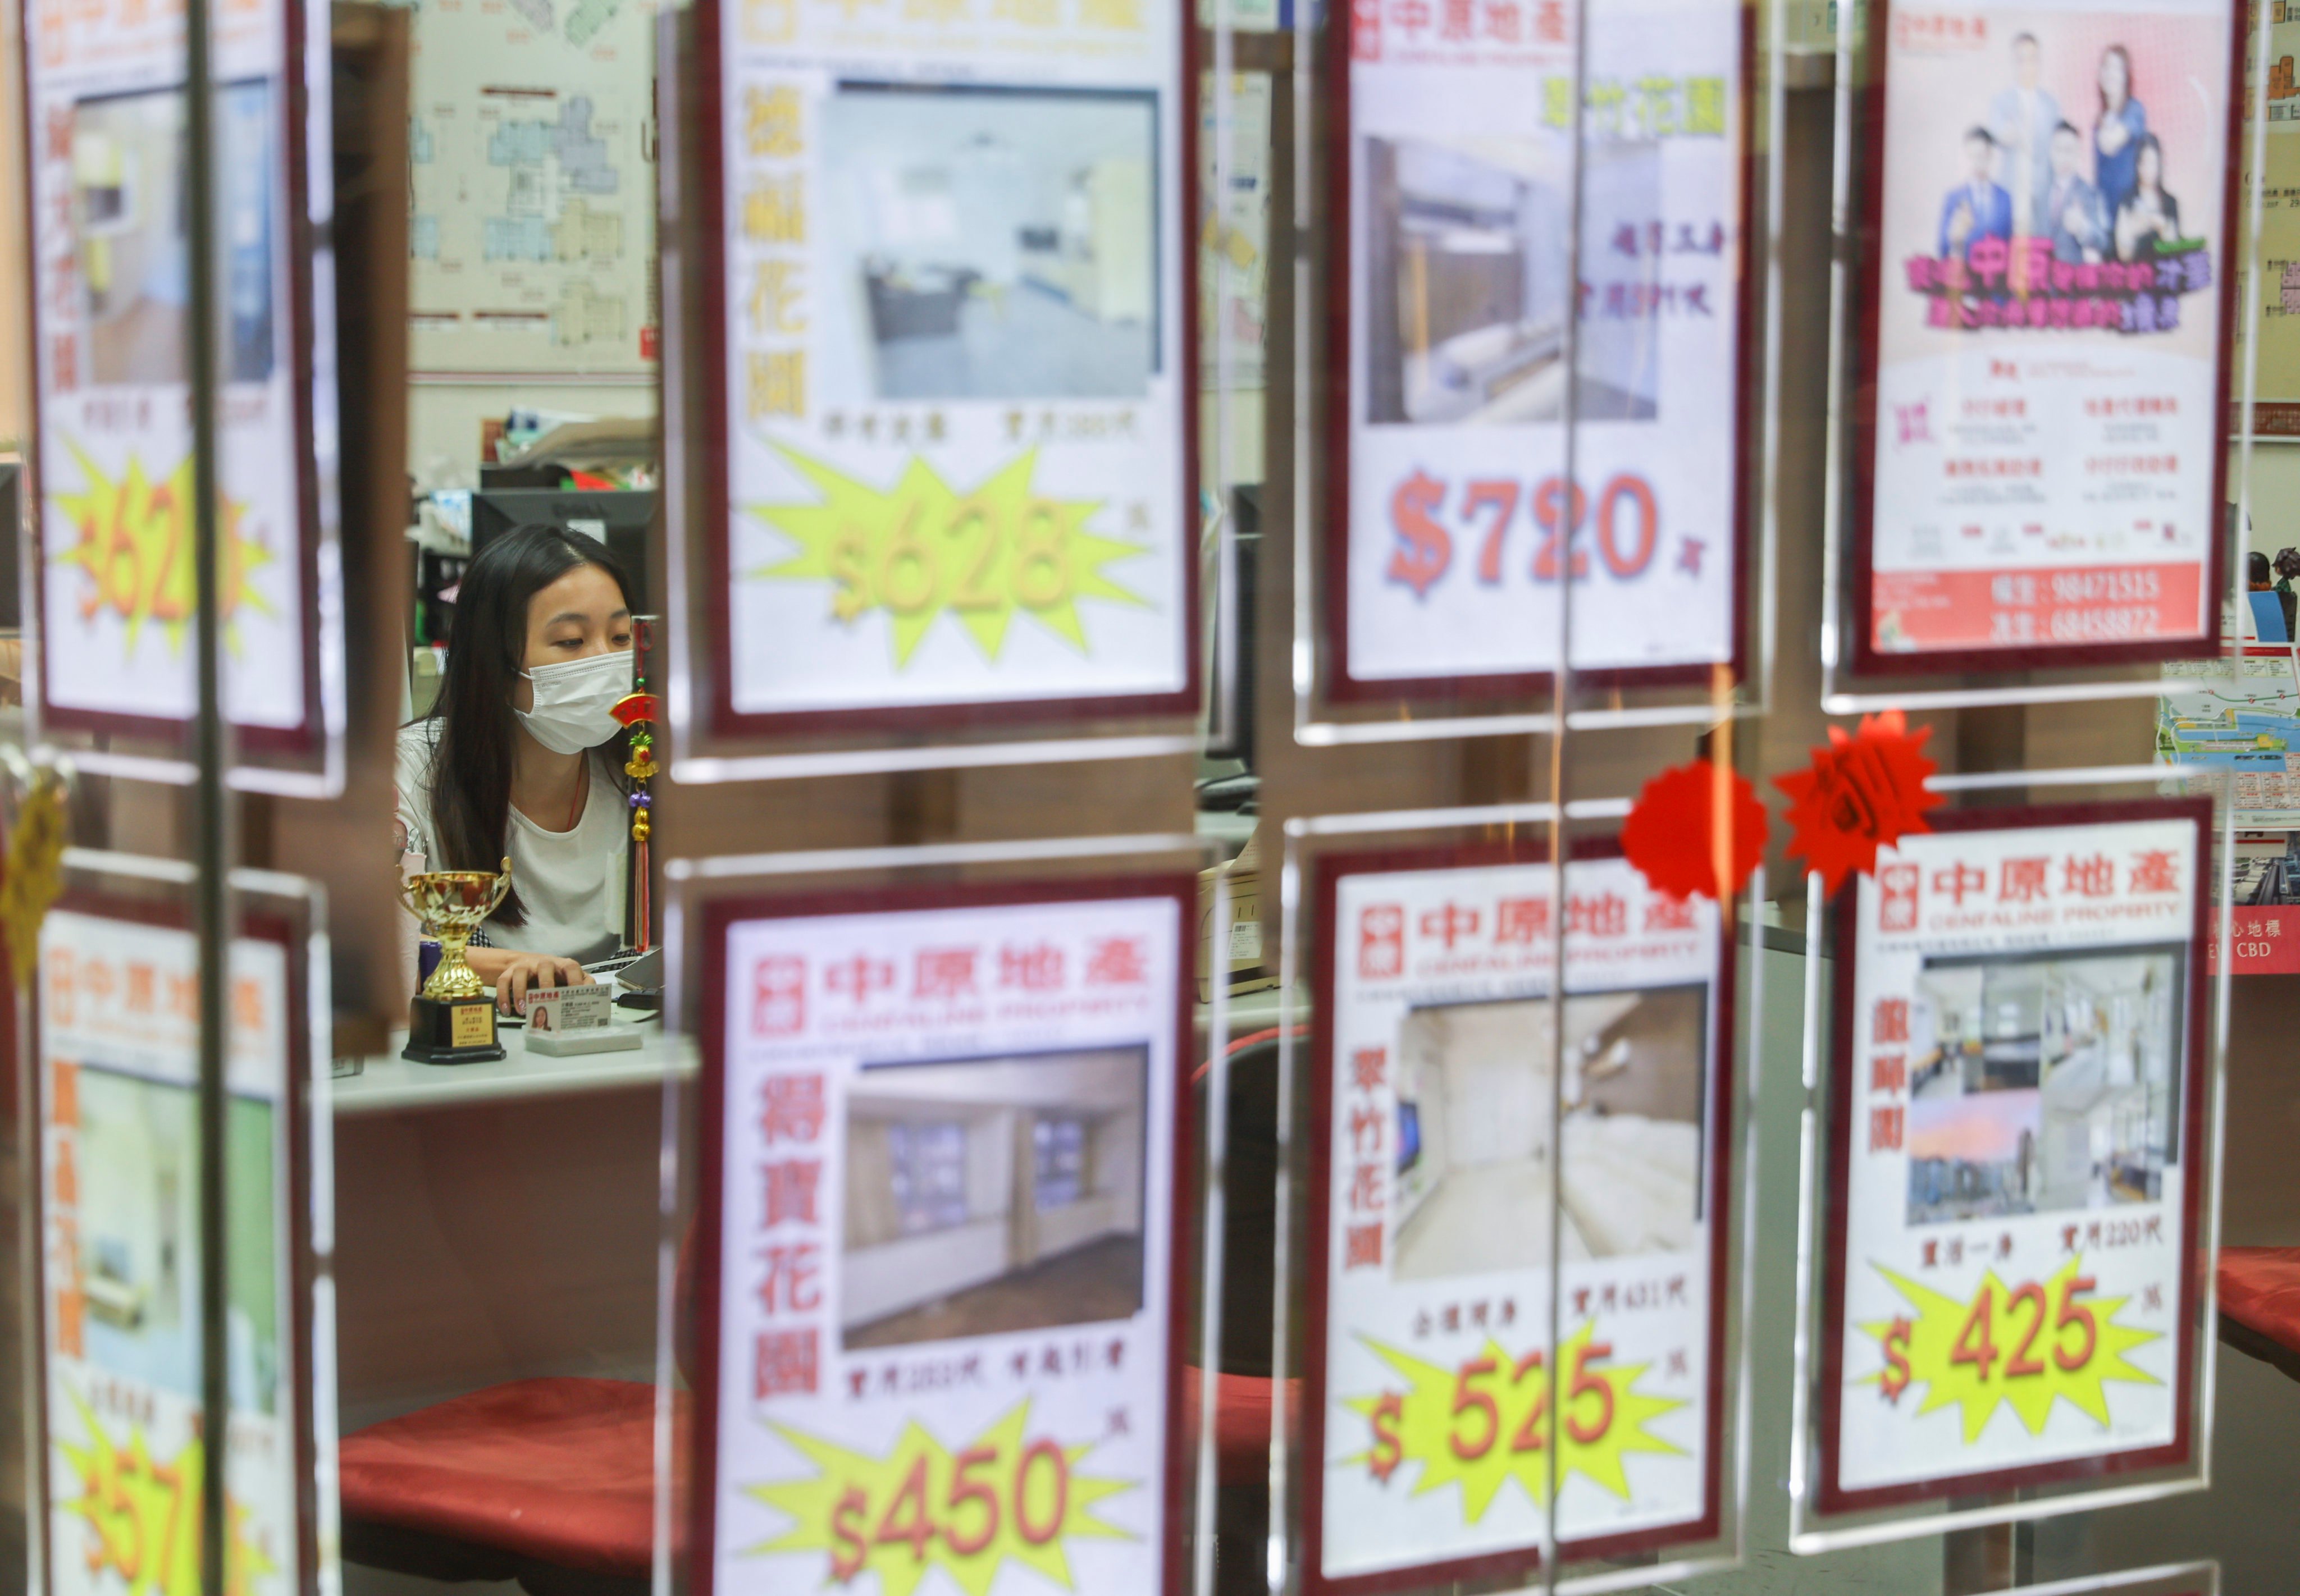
922, 550
1004, 1499
135, 546
1488, 1421
144, 1515
2023, 1346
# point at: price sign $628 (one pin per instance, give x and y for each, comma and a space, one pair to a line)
1624, 516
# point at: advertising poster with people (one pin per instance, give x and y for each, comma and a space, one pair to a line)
2018, 1101
1431, 1390
956, 244
1454, 523
110, 214
2043, 356
118, 1140
944, 1211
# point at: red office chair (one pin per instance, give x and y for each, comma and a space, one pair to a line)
2260, 1303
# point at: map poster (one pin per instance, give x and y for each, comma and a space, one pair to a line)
531, 146
944, 1226
2017, 1098
2044, 335
1428, 1408
119, 1263
106, 107
953, 362
1452, 522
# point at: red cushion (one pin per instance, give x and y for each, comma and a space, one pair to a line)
2260, 1289
1241, 1422
561, 1470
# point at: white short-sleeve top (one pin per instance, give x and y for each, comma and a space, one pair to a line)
571, 883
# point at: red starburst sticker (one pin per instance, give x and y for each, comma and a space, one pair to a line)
1864, 792
1688, 821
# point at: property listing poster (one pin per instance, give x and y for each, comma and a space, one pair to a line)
106, 87
2048, 298
947, 1210
120, 1262
1458, 522
957, 248
1431, 1385
2014, 1188
2277, 293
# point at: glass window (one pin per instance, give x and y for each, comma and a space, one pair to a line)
1061, 1147
929, 1175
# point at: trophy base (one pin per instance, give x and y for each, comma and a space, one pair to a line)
452, 1031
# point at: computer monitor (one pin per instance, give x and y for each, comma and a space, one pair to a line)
622, 520
11, 517
1245, 510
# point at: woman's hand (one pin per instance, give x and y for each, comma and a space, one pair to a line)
516, 975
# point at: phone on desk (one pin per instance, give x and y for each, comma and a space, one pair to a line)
638, 976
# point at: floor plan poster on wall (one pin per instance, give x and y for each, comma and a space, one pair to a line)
1428, 1411
532, 147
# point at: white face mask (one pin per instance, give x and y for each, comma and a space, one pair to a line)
573, 699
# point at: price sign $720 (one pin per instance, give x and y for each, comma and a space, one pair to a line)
1624, 517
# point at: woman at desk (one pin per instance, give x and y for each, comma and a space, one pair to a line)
521, 755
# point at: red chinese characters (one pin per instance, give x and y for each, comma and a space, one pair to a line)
786, 1356
1366, 1189
1888, 1074
2029, 881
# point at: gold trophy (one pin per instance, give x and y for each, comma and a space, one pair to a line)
453, 1019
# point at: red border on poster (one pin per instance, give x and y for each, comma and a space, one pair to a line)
720, 716
1869, 661
1334, 543
304, 242
718, 918
1831, 1497
1328, 871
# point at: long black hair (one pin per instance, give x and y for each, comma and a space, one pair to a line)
472, 763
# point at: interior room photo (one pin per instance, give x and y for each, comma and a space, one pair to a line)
1475, 1083
990, 1196
994, 245
2042, 1084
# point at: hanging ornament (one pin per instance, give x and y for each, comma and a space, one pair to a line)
35, 862
639, 711
1690, 820
1864, 792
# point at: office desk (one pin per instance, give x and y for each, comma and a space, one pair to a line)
499, 1221
392, 1083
